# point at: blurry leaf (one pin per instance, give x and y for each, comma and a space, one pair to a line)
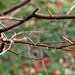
10, 58
33, 21
57, 72
37, 65
59, 6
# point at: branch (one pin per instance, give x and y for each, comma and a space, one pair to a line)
35, 15
67, 39
54, 16
9, 18
46, 46
58, 42
15, 7
70, 9
26, 56
20, 22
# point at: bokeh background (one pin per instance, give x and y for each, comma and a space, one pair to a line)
57, 62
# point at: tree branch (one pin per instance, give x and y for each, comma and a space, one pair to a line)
46, 46
54, 16
20, 22
15, 7
9, 18
37, 16
26, 56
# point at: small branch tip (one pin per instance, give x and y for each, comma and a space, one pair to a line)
36, 10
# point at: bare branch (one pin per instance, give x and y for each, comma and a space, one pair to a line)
30, 40
70, 10
58, 42
9, 18
46, 46
29, 32
15, 7
37, 16
18, 23
50, 13
26, 56
2, 25
67, 39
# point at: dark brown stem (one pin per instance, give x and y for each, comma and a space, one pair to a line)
15, 7
46, 46
37, 16
19, 23
55, 16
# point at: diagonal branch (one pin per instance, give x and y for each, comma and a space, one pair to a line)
35, 15
15, 7
26, 56
9, 18
20, 22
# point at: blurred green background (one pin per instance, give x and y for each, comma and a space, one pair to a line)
58, 61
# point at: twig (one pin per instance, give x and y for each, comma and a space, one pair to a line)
46, 46
38, 30
20, 22
9, 18
30, 40
29, 32
26, 56
50, 13
67, 39
70, 10
37, 16
16, 7
2, 25
58, 42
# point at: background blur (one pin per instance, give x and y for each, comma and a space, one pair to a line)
58, 61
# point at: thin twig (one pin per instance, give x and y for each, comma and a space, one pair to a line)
28, 32
38, 30
46, 46
30, 40
50, 13
67, 39
2, 25
9, 18
16, 7
31, 15
26, 56
70, 10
